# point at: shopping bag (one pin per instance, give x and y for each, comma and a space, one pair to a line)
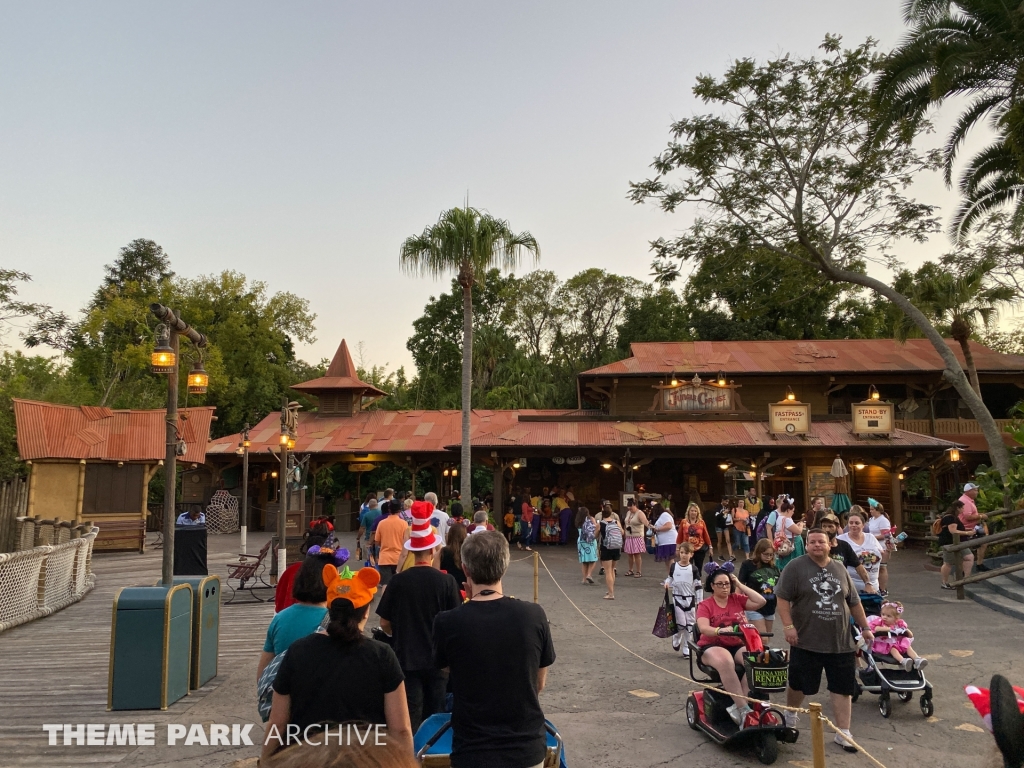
665, 623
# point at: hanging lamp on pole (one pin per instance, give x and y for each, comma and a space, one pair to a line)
163, 358
198, 379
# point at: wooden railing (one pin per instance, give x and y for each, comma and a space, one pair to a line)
946, 426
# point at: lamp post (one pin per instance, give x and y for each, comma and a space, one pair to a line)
243, 513
165, 360
289, 422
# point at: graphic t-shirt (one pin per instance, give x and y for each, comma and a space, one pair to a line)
440, 520
762, 578
695, 533
870, 555
820, 599
842, 552
732, 614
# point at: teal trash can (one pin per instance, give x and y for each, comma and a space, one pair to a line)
150, 647
205, 627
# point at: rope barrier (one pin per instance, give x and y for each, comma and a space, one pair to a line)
705, 686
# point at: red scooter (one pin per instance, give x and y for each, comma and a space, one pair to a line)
767, 671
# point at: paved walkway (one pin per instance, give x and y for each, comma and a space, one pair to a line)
55, 670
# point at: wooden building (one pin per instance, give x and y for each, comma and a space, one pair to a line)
690, 419
95, 464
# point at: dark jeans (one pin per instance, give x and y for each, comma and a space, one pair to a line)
424, 691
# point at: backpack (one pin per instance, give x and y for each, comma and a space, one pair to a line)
612, 535
761, 531
588, 532
936, 526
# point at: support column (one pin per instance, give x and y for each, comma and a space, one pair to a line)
80, 500
896, 513
499, 494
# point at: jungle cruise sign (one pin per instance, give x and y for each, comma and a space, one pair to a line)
696, 396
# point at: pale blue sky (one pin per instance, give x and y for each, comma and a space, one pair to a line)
302, 142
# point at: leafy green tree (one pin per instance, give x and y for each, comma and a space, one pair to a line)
962, 303
12, 308
656, 314
468, 242
970, 50
593, 303
532, 310
784, 166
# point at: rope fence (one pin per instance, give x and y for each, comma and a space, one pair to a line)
704, 686
40, 581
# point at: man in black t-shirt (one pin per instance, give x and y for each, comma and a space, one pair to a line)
498, 650
841, 551
407, 610
951, 531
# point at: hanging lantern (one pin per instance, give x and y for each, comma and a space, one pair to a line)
873, 393
721, 378
163, 359
291, 443
455, 472
284, 438
198, 379
674, 381
954, 455
790, 395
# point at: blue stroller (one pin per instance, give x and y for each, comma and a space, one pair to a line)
433, 743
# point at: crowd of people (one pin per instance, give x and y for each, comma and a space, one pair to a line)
450, 640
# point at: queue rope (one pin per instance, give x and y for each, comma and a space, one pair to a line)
633, 653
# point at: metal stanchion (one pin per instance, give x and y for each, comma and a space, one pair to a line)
536, 576
817, 736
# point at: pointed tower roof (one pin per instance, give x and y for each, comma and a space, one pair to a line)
341, 375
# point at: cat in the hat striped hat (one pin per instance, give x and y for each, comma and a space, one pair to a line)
422, 536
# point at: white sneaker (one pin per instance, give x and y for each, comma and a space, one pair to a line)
738, 713
908, 664
676, 642
844, 742
792, 719
920, 663
686, 651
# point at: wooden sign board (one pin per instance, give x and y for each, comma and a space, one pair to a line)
702, 398
789, 418
872, 418
362, 467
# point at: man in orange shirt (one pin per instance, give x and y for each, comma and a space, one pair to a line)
390, 537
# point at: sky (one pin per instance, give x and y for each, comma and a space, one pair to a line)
300, 143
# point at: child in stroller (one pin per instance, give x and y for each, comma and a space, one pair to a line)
893, 637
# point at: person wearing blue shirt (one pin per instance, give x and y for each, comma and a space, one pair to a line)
193, 517
302, 617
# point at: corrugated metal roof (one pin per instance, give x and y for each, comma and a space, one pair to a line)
836, 356
53, 431
440, 432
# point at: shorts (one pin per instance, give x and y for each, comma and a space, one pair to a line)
805, 669
386, 572
949, 558
610, 554
754, 616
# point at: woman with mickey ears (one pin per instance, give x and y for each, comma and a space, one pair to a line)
341, 676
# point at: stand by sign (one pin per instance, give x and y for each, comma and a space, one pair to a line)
872, 418
789, 418
697, 398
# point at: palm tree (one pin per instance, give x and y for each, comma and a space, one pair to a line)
972, 49
960, 303
468, 242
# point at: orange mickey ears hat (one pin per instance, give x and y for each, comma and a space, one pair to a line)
358, 587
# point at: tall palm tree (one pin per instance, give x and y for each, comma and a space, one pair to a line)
972, 49
468, 242
962, 303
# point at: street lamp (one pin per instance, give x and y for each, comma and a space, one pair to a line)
165, 360
198, 379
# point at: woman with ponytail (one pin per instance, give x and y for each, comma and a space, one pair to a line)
341, 676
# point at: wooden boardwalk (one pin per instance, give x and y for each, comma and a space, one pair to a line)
54, 669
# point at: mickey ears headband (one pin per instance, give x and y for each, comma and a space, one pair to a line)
340, 556
710, 568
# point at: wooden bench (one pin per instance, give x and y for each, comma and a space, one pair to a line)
249, 570
120, 536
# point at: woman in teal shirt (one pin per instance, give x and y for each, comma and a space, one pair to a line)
304, 616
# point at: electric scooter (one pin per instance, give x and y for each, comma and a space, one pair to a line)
767, 671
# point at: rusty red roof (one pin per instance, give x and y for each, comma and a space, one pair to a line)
440, 432
341, 374
777, 357
54, 431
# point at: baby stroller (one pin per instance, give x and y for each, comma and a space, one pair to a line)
884, 676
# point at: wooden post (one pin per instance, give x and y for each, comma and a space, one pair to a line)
958, 559
80, 500
536, 576
896, 486
30, 509
499, 494
817, 736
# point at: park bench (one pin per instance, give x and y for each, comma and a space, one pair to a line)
249, 571
120, 536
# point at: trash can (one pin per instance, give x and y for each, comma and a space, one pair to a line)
190, 550
150, 647
205, 627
